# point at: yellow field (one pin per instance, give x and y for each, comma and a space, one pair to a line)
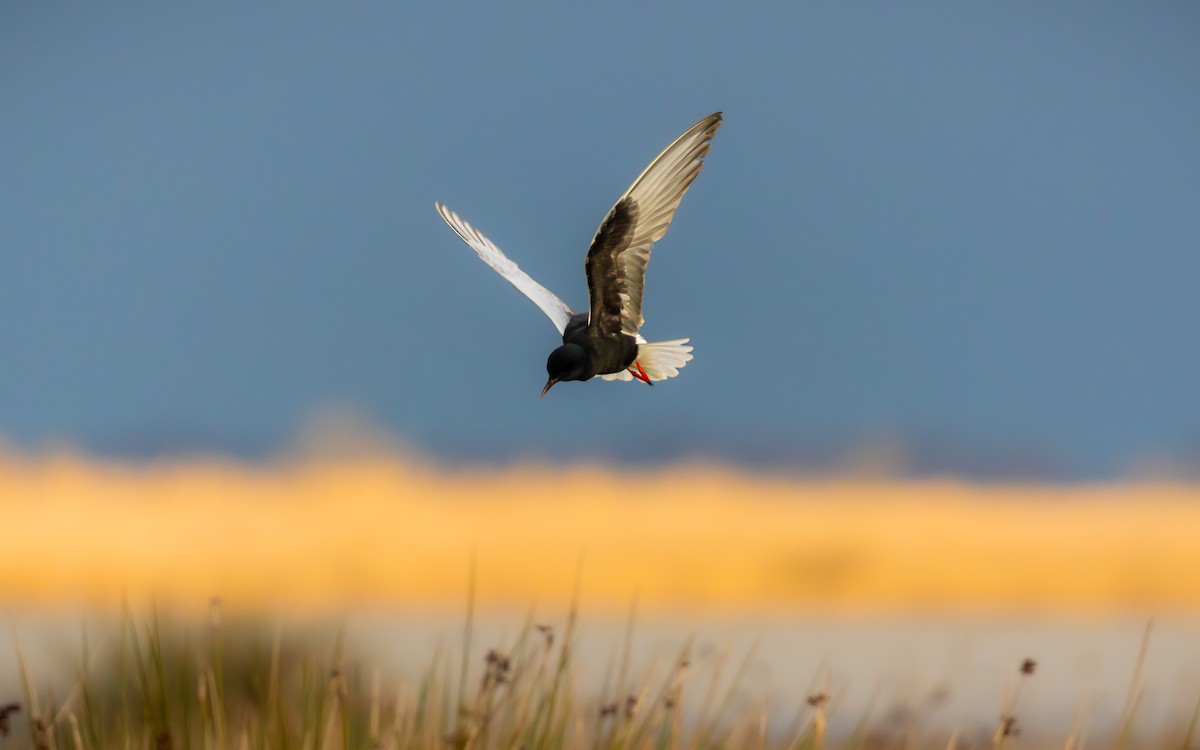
328, 534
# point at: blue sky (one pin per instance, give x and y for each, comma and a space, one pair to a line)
972, 228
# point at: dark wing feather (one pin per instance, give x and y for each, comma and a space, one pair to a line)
616, 261
607, 282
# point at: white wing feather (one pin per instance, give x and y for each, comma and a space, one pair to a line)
555, 309
657, 192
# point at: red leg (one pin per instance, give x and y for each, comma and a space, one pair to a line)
640, 374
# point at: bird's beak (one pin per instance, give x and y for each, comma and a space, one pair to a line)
549, 383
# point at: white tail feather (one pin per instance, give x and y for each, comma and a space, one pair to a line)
660, 360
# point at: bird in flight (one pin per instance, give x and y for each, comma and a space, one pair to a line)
605, 340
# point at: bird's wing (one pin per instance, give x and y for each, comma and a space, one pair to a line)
555, 309
616, 261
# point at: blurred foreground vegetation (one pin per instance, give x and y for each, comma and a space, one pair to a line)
160, 685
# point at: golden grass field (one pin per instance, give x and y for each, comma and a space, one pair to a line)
318, 533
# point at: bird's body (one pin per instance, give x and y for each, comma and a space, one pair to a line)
605, 340
604, 353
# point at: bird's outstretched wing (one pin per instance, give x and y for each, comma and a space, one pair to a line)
555, 309
616, 261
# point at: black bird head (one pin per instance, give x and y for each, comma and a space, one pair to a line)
567, 362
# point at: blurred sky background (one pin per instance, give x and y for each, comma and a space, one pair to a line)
969, 230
